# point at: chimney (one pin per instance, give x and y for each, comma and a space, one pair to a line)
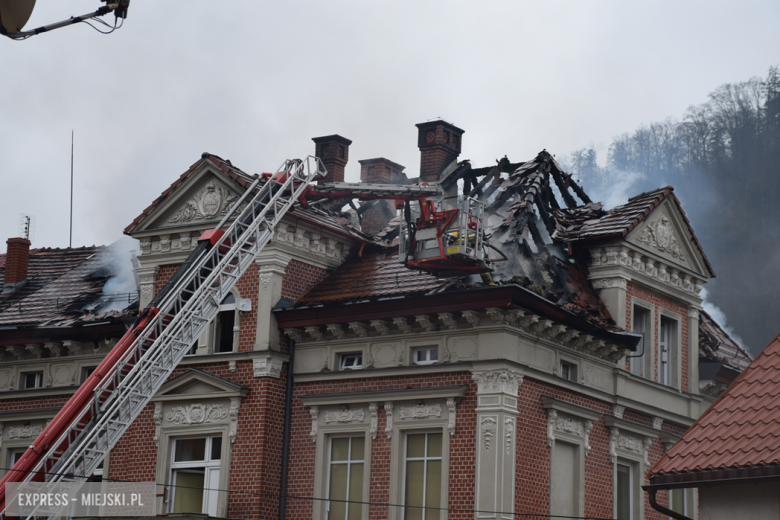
439, 144
334, 152
16, 262
379, 171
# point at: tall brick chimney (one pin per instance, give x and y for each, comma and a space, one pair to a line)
439, 144
16, 261
334, 152
379, 171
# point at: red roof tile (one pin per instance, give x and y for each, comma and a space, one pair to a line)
741, 429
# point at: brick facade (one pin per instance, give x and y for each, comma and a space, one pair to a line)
17, 260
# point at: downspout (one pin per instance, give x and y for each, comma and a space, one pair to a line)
658, 507
286, 430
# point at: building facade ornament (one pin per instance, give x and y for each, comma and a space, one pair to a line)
569, 425
372, 410
609, 283
158, 417
336, 330
658, 422
693, 313
659, 234
207, 203
496, 314
425, 322
528, 320
265, 279
54, 348
267, 367
448, 320
472, 317
402, 325
196, 413
358, 328
509, 433
488, 429
513, 315
345, 416
381, 326
389, 416
294, 334
451, 417
618, 410
497, 382
24, 432
16, 351
235, 404
315, 332
314, 411
420, 411
232, 366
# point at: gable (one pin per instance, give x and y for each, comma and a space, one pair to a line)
665, 233
198, 384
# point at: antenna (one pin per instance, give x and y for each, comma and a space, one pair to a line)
27, 226
70, 241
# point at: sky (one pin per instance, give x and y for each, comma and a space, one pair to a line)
253, 82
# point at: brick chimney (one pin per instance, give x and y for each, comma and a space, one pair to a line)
17, 260
334, 152
439, 144
379, 171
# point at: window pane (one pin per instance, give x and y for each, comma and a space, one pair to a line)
421, 355
623, 492
414, 488
677, 500
230, 298
434, 445
355, 491
358, 445
415, 445
338, 490
188, 494
225, 321
216, 448
433, 487
434, 354
190, 449
339, 449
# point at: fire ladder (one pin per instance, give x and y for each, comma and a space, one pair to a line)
177, 316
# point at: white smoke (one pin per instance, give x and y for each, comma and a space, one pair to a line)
122, 288
720, 318
615, 187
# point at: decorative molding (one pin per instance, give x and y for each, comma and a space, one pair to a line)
425, 322
693, 313
588, 428
232, 366
610, 283
294, 334
488, 428
24, 432
358, 328
345, 416
329, 249
381, 326
402, 325
630, 443
659, 234
336, 330
618, 410
472, 317
448, 320
569, 425
451, 418
614, 433
54, 348
555, 331
513, 315
658, 422
541, 326
235, 404
265, 279
509, 432
315, 332
314, 411
158, 417
420, 411
497, 382
209, 202
15, 350
496, 314
267, 367
197, 413
372, 408
552, 417
389, 414
527, 320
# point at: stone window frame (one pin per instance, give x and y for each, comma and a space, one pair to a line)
388, 403
633, 433
411, 345
571, 360
205, 346
32, 418
577, 424
675, 351
649, 354
336, 352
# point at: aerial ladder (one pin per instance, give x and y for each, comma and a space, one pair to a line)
74, 443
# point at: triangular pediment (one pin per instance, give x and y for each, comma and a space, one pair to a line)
197, 383
665, 233
204, 196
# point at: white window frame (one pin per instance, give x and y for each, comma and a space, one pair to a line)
672, 377
207, 342
632, 494
573, 368
38, 379
428, 349
343, 356
405, 459
349, 468
646, 361
210, 481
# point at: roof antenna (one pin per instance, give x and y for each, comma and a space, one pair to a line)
27, 226
70, 241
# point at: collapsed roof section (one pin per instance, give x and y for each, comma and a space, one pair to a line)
715, 345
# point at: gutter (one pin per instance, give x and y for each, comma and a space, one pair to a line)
658, 507
286, 430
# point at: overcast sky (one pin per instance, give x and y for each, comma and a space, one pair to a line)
255, 81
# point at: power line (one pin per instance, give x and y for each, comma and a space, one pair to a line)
317, 499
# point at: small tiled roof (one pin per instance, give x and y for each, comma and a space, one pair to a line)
2, 260
377, 274
61, 285
590, 222
311, 215
717, 346
740, 430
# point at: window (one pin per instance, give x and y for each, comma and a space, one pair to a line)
31, 380
195, 475
667, 339
351, 361
569, 371
345, 478
641, 325
624, 498
86, 372
224, 325
681, 500
565, 492
14, 455
425, 355
422, 475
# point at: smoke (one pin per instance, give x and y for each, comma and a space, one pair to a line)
720, 318
119, 261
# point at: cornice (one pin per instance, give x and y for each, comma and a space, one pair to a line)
407, 394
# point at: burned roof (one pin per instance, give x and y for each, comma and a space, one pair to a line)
740, 431
715, 345
313, 215
64, 287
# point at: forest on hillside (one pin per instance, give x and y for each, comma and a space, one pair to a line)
723, 159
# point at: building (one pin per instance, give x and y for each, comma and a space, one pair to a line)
549, 389
731, 454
